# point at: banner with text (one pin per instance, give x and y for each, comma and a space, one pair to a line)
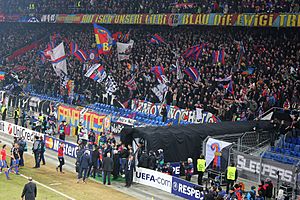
91, 120
53, 143
175, 19
173, 112
153, 179
249, 167
18, 131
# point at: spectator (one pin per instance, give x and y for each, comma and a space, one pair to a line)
37, 151
152, 160
22, 149
61, 160
143, 161
43, 149
129, 169
93, 169
85, 162
251, 195
107, 168
29, 191
160, 160
189, 169
268, 186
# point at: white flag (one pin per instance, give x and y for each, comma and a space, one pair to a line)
58, 59
124, 50
111, 85
160, 90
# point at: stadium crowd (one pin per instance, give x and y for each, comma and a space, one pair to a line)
273, 54
147, 6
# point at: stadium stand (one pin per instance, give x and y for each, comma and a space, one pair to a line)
274, 55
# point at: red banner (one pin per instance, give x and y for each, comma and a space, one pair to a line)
23, 50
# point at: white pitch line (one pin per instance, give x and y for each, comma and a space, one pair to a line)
49, 188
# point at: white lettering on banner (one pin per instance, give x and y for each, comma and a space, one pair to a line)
267, 170
173, 112
154, 179
18, 131
187, 190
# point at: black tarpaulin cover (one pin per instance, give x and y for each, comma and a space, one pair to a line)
182, 142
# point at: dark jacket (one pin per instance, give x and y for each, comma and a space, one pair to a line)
152, 162
108, 164
85, 161
95, 157
29, 191
132, 166
143, 161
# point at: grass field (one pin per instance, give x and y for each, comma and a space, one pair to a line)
64, 183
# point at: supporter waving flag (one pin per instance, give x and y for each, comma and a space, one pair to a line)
96, 72
93, 55
131, 84
156, 39
2, 75
104, 39
194, 52
117, 36
81, 55
241, 51
229, 87
219, 56
73, 48
159, 72
192, 72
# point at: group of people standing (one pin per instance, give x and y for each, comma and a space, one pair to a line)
16, 157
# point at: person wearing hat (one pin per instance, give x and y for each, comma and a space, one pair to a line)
201, 165
29, 191
251, 194
189, 169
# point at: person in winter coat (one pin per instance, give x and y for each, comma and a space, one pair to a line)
260, 196
268, 186
143, 161
22, 149
92, 139
116, 159
84, 164
29, 191
160, 160
152, 160
189, 169
107, 168
251, 194
93, 168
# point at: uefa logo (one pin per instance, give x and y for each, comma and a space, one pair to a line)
175, 186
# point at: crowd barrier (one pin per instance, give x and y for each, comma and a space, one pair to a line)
171, 184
